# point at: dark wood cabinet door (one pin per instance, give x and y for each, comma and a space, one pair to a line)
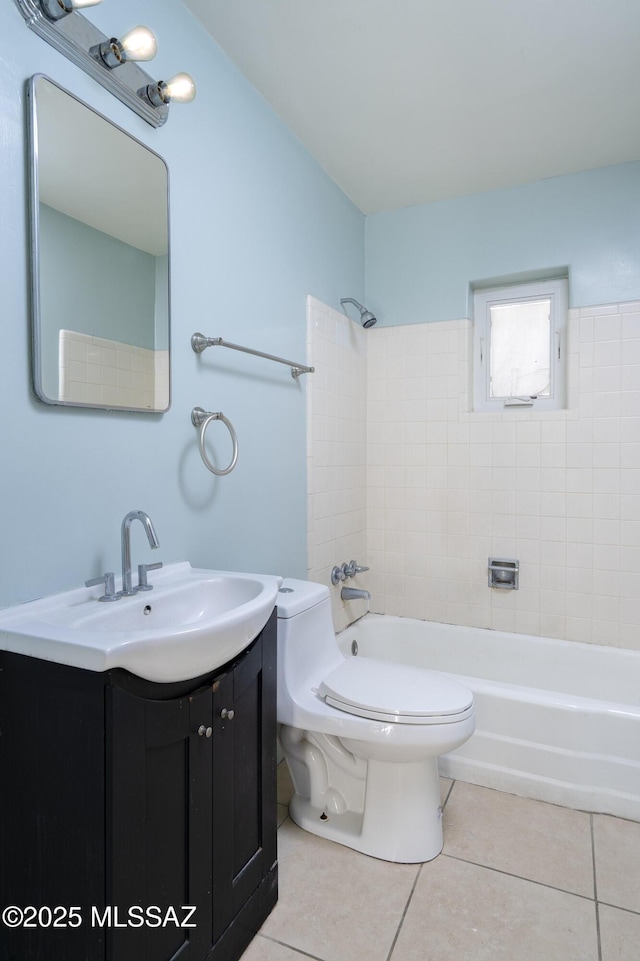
51, 805
159, 823
243, 781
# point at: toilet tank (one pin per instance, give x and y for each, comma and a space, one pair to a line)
307, 647
295, 597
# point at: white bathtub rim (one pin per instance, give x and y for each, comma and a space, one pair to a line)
624, 660
464, 629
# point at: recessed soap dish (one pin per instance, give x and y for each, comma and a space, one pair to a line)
504, 573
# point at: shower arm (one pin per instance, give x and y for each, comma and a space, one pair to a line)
367, 319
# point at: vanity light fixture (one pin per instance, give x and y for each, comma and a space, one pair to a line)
110, 61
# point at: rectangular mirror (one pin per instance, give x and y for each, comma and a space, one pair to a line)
99, 259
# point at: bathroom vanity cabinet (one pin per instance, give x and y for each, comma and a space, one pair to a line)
119, 793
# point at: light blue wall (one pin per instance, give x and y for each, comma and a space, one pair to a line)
256, 226
161, 313
421, 260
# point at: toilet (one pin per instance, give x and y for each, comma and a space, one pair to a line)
362, 737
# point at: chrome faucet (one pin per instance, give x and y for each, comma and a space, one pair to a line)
145, 520
354, 593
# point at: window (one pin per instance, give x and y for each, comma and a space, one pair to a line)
519, 346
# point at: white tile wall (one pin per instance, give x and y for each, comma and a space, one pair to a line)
336, 446
161, 380
447, 488
93, 370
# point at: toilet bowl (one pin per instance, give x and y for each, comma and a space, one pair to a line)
362, 737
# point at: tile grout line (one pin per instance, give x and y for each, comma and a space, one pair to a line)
595, 886
411, 893
404, 913
520, 877
609, 904
451, 786
283, 944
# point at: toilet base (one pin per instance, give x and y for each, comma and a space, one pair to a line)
402, 817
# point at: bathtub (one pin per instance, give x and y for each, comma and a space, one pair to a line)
555, 720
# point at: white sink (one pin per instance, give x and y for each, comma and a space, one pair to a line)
192, 622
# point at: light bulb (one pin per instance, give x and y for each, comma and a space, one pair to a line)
181, 88
57, 9
139, 44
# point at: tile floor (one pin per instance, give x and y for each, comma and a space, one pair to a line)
518, 880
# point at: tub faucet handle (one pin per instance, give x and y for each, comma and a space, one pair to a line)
337, 574
353, 568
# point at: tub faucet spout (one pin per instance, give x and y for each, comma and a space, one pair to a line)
354, 593
145, 520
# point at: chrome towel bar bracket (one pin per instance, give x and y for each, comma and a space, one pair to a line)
201, 419
199, 343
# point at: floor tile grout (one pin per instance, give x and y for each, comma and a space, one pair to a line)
404, 913
519, 877
283, 944
618, 907
595, 886
444, 803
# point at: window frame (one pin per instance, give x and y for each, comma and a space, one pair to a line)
554, 289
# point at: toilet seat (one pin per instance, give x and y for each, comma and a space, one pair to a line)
387, 691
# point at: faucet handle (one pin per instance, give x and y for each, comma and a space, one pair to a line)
109, 581
353, 568
143, 569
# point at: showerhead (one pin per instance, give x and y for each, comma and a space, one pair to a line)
367, 319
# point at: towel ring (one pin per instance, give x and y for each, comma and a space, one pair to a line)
202, 418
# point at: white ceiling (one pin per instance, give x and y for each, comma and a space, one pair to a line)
91, 170
410, 101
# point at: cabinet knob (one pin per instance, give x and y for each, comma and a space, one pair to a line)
229, 715
205, 731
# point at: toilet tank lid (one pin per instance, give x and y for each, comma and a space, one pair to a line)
296, 596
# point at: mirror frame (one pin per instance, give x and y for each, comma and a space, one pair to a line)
34, 253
